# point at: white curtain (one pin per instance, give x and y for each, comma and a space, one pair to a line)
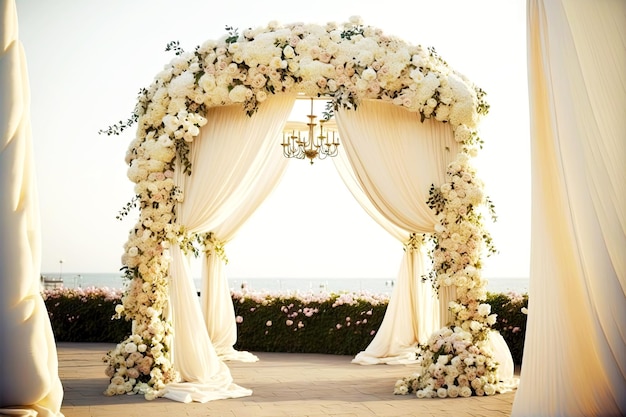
229, 160
29, 379
393, 158
216, 302
575, 352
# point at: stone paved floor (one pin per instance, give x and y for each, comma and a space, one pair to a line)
283, 384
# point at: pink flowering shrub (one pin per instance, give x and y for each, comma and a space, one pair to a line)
317, 322
342, 324
85, 314
510, 308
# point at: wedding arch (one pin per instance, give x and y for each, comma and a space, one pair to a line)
194, 192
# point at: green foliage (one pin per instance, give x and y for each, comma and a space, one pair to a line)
339, 324
120, 126
312, 327
355, 30
125, 211
511, 322
329, 111
174, 46
182, 152
233, 35
436, 200
85, 316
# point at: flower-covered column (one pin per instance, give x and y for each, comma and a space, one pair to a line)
459, 359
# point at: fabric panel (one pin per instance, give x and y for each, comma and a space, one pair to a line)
393, 159
29, 380
575, 351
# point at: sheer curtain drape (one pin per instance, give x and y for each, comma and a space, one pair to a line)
229, 159
393, 159
29, 378
575, 351
215, 300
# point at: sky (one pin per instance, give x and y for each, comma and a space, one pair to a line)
87, 60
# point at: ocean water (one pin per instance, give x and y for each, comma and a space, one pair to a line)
373, 285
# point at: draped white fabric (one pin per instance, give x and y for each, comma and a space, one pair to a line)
215, 299
205, 377
394, 159
232, 171
29, 379
575, 352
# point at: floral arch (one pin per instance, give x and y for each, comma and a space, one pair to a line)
350, 64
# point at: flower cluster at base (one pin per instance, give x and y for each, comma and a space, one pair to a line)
452, 364
347, 63
141, 364
134, 368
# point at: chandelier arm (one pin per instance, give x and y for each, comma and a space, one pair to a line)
300, 143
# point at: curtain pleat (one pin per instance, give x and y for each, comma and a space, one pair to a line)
29, 378
216, 302
575, 350
392, 159
233, 170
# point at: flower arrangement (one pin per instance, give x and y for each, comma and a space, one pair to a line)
448, 359
347, 63
452, 365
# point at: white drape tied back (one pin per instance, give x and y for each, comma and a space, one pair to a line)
391, 160
235, 166
214, 247
415, 242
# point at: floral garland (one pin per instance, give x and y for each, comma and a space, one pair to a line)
457, 360
347, 63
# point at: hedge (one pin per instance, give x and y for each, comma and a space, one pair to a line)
341, 324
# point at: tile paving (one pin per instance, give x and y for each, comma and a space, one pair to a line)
283, 384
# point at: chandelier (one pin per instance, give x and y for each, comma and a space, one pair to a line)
307, 140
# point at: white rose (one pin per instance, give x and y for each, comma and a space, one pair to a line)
277, 63
401, 390
289, 52
261, 96
490, 389
484, 309
361, 84
369, 75
461, 281
475, 326
239, 94
130, 348
417, 76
